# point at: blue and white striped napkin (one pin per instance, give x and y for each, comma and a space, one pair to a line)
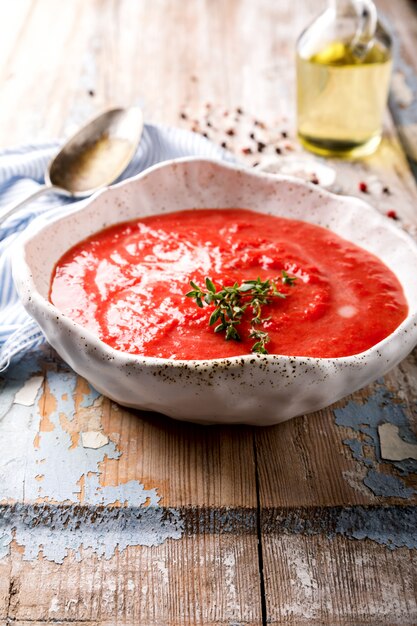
21, 173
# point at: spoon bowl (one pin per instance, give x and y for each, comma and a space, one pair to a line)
91, 159
97, 154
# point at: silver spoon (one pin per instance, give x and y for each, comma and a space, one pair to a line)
93, 158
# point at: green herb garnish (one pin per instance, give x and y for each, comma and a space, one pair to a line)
231, 303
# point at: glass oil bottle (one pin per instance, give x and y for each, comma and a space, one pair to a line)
343, 72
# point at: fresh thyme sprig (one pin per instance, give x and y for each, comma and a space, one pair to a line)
230, 304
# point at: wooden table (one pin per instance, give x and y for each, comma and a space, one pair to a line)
169, 523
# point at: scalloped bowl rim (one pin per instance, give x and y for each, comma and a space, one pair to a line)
20, 267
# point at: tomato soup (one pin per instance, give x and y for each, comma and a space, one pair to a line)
127, 284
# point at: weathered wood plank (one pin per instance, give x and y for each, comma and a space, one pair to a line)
403, 100
333, 457
103, 53
335, 581
200, 579
185, 464
177, 500
12, 30
190, 465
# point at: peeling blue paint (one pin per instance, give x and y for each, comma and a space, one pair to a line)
63, 468
390, 526
22, 370
364, 418
356, 447
408, 466
380, 407
57, 472
131, 493
387, 486
89, 398
61, 531
62, 385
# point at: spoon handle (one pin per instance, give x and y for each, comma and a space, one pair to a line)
9, 210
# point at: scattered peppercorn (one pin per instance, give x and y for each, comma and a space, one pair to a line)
392, 214
363, 187
314, 180
91, 92
386, 190
255, 163
233, 126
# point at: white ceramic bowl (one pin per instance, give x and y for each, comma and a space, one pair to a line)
252, 389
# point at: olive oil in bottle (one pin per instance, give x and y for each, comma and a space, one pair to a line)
342, 89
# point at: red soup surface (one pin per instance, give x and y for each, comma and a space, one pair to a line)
127, 284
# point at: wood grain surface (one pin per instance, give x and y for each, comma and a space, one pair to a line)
172, 523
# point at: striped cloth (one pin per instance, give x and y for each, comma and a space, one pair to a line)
21, 173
